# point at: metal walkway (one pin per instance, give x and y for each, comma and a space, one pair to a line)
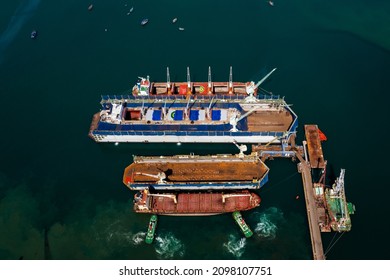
311, 208
314, 147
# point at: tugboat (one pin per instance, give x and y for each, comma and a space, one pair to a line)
34, 34
241, 223
151, 229
144, 21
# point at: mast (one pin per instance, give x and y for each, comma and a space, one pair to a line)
209, 85
148, 83
230, 89
168, 82
188, 81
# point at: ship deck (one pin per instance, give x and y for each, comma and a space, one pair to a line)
278, 121
198, 203
193, 171
314, 146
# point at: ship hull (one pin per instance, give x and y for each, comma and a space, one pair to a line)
211, 119
194, 204
193, 172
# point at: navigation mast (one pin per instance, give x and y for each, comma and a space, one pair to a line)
168, 81
188, 81
209, 85
230, 89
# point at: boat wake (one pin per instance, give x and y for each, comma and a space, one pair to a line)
235, 245
168, 246
116, 233
267, 223
21, 15
138, 238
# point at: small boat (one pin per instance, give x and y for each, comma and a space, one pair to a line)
34, 34
90, 7
181, 28
271, 3
174, 20
144, 21
130, 11
241, 223
151, 229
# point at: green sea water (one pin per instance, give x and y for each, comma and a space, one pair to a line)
59, 188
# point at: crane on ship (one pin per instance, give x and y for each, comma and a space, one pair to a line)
161, 176
172, 196
224, 196
234, 119
252, 87
243, 148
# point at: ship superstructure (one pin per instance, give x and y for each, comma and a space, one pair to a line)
194, 112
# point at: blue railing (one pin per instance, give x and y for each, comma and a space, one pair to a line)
225, 185
187, 133
111, 98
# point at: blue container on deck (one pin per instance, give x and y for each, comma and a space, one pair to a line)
156, 115
216, 115
194, 115
178, 116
